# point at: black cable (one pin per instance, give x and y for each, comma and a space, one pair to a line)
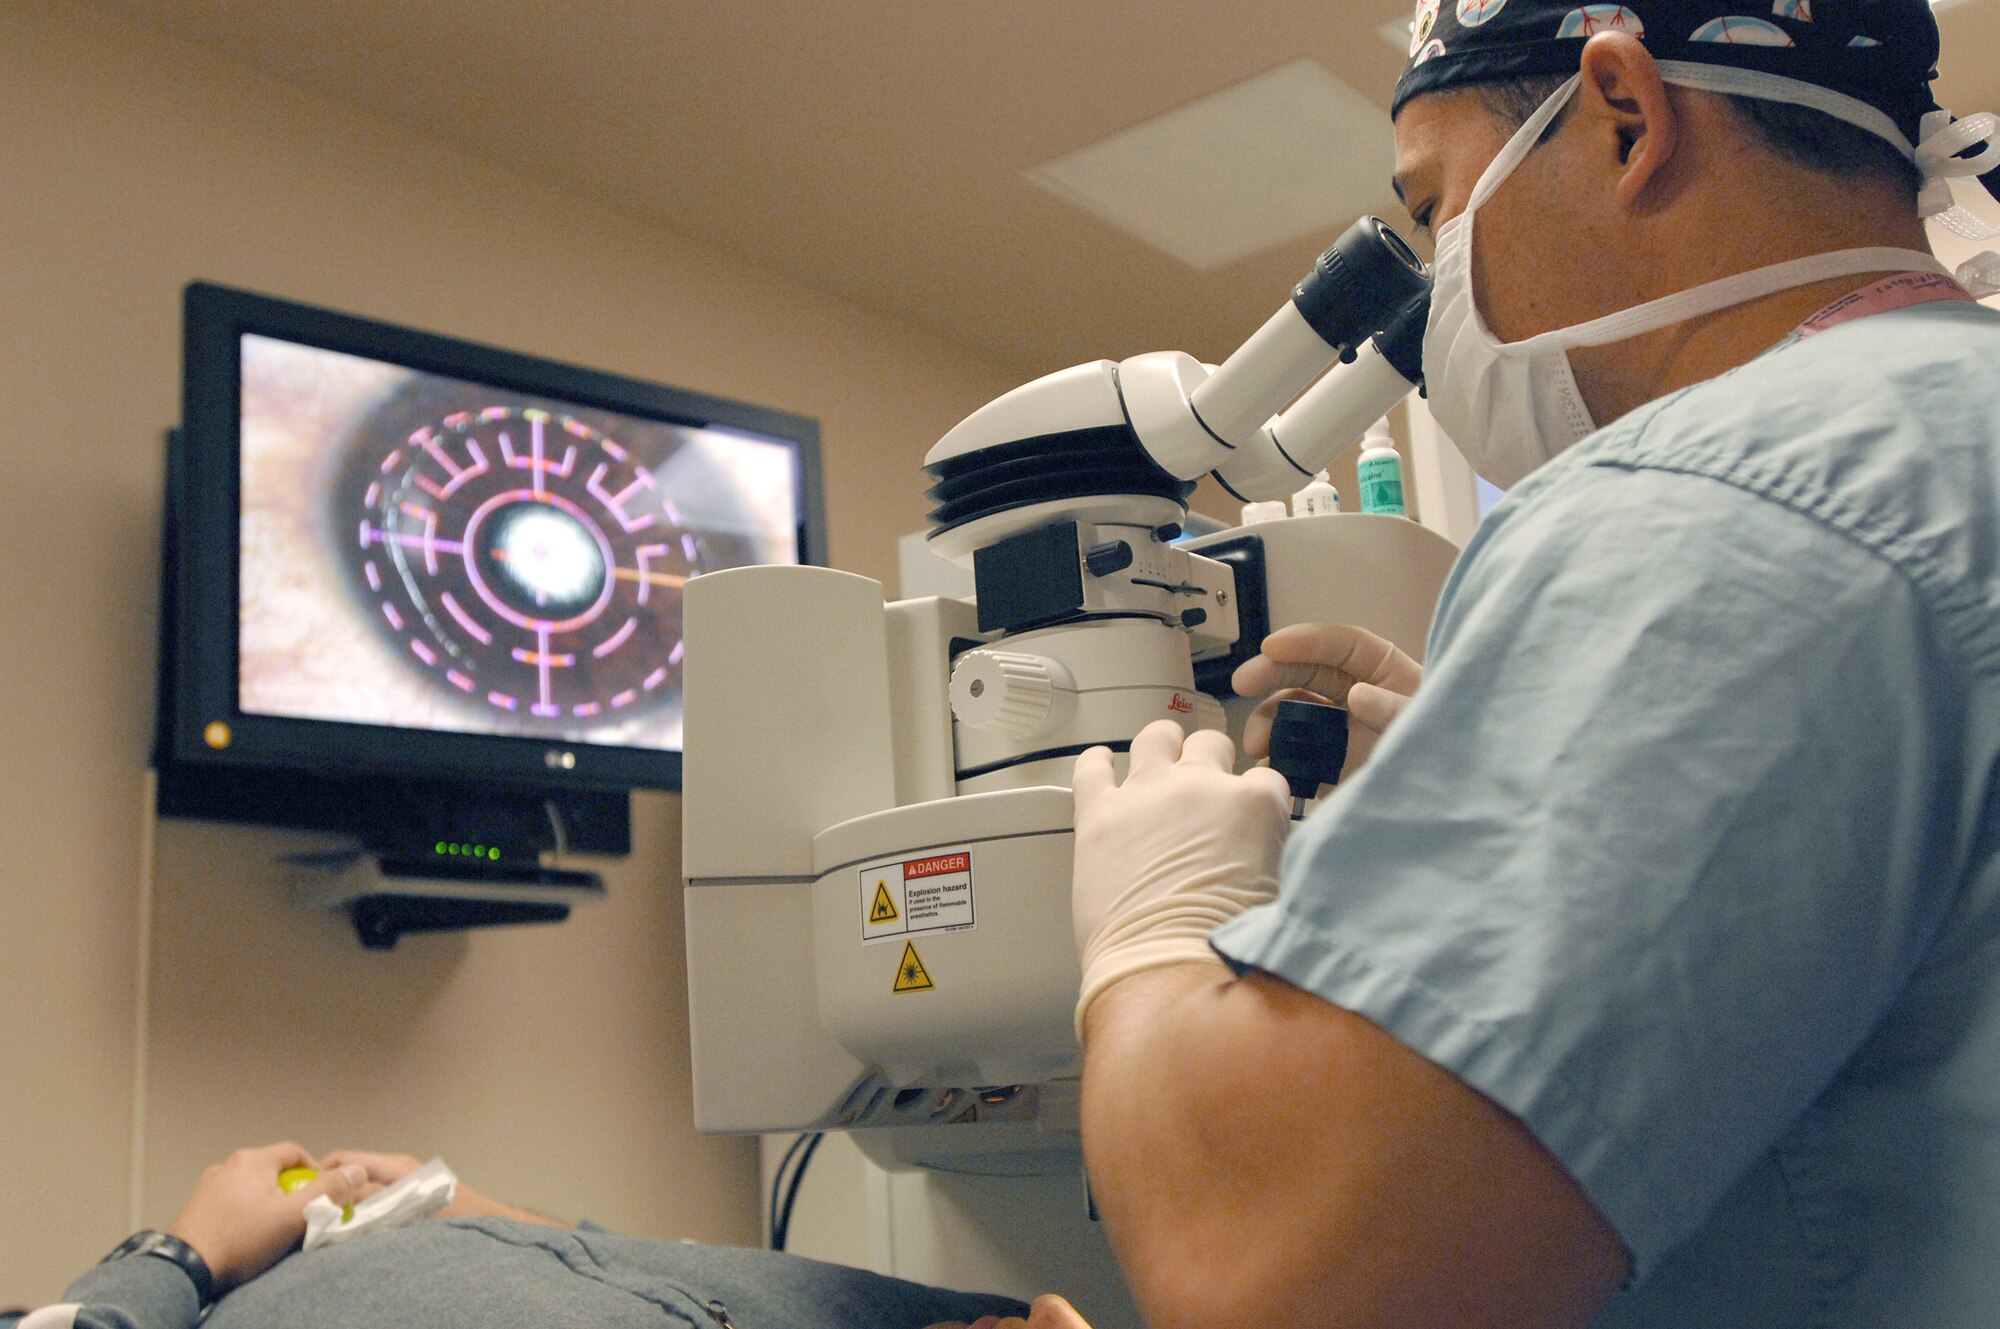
781, 1218
792, 1192
778, 1186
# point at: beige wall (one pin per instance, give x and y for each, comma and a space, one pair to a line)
548, 1065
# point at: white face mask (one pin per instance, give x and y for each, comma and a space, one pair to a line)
1512, 406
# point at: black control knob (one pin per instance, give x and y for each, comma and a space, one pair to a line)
1193, 618
1308, 746
1105, 559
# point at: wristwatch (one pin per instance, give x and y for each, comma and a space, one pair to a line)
174, 1251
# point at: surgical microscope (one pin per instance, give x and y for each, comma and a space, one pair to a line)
878, 822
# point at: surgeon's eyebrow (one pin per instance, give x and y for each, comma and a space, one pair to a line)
1403, 185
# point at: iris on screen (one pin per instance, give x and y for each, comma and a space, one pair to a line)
431, 553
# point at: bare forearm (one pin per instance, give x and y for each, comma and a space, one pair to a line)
1181, 1201
470, 1203
1263, 1157
388, 1169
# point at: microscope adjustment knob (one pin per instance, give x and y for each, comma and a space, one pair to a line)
1006, 692
1308, 745
1107, 558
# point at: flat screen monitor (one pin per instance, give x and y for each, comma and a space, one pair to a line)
397, 553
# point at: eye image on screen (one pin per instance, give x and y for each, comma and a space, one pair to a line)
424, 552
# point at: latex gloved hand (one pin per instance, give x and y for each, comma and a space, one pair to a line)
1162, 860
1332, 662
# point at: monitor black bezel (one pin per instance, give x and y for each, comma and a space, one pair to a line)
204, 494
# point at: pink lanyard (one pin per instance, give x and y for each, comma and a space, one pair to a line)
1897, 292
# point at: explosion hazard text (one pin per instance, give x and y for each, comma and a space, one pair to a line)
906, 897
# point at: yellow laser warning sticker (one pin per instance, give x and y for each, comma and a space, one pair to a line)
884, 909
911, 976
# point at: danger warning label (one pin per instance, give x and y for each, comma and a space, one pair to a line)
910, 896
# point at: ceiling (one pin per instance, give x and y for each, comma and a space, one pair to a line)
874, 148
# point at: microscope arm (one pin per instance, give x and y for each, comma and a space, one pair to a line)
1106, 438
1360, 313
1332, 414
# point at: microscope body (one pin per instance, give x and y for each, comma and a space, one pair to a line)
877, 816
878, 895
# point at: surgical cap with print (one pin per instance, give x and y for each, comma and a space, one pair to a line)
1868, 62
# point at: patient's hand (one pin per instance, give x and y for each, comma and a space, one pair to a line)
388, 1169
1048, 1312
241, 1223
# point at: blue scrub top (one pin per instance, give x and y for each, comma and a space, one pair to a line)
1688, 851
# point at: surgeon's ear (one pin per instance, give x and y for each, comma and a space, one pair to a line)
1622, 90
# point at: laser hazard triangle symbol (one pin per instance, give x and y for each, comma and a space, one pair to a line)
911, 976
884, 908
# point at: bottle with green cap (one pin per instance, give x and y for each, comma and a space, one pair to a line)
1381, 472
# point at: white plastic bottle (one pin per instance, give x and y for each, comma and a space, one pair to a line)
1317, 499
1381, 472
1254, 513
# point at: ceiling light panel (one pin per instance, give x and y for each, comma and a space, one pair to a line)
1397, 32
1288, 154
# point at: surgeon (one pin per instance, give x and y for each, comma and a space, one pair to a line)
1649, 972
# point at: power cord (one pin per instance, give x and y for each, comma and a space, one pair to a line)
781, 1214
556, 826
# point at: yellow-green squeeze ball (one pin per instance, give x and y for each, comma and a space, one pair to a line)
294, 1177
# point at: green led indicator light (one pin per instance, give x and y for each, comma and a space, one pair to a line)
447, 849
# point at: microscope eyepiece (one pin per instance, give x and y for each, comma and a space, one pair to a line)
1360, 284
1402, 342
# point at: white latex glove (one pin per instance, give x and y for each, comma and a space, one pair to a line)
1183, 846
1333, 662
